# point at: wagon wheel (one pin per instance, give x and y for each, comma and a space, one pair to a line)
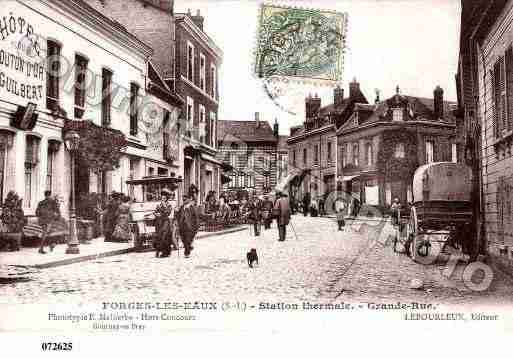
417, 244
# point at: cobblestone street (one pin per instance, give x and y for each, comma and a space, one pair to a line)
321, 265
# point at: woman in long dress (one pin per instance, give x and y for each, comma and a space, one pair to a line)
122, 230
163, 226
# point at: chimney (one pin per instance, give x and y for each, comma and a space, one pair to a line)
377, 100
338, 96
198, 20
354, 89
257, 119
275, 128
312, 106
439, 102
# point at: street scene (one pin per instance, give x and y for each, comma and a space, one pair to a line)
321, 265
152, 149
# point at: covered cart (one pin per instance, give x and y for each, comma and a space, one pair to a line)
147, 192
441, 211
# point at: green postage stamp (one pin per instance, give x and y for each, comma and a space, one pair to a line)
300, 44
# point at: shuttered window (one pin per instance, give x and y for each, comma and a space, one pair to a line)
499, 92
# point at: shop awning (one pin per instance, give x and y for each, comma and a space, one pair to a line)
349, 178
155, 180
211, 159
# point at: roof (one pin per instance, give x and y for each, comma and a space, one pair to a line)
151, 24
245, 131
417, 109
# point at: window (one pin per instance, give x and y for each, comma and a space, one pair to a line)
329, 151
190, 62
369, 154
267, 181
213, 127
134, 93
31, 167
344, 156
52, 78
356, 154
49, 170
190, 115
316, 154
429, 152
251, 160
305, 156
233, 160
165, 136
202, 124
399, 150
397, 114
202, 72
80, 84
53, 147
388, 193
106, 97
509, 86
294, 158
132, 175
241, 180
499, 93
213, 76
454, 152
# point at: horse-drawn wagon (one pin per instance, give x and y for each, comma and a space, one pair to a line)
441, 213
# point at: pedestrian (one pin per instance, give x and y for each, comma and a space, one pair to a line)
282, 213
314, 209
163, 238
121, 231
341, 206
267, 212
255, 214
321, 206
47, 213
395, 208
306, 203
188, 221
110, 216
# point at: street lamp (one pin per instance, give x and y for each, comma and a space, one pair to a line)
71, 141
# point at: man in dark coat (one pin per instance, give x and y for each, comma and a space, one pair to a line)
282, 210
306, 203
267, 212
110, 216
188, 222
47, 213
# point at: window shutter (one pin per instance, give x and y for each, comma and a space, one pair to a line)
509, 87
499, 96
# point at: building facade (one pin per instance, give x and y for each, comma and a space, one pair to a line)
154, 146
250, 149
382, 145
312, 146
484, 81
82, 71
198, 60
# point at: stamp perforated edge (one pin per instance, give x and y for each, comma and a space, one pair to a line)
292, 79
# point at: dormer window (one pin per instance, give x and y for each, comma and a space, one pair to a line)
397, 114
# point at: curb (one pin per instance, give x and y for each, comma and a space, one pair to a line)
121, 251
83, 258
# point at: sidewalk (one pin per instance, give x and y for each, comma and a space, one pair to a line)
98, 248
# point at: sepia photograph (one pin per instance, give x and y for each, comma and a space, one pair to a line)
246, 173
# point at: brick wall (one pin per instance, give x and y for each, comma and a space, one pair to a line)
192, 89
150, 24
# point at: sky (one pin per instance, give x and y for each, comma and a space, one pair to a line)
412, 44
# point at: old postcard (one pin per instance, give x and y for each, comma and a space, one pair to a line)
268, 178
